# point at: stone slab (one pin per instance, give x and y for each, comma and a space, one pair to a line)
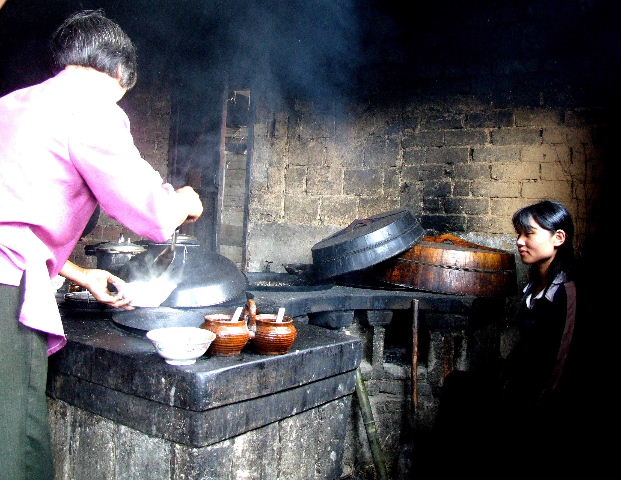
192, 428
103, 354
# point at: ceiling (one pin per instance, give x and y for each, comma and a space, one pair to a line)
323, 47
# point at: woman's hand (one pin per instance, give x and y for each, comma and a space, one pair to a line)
190, 203
97, 282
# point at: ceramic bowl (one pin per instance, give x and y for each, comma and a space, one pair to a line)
181, 345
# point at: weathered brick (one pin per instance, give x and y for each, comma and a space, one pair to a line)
579, 135
506, 207
537, 117
489, 224
295, 180
367, 207
491, 119
275, 179
380, 152
516, 136
233, 201
432, 205
437, 188
314, 126
428, 138
583, 117
391, 182
324, 181
545, 153
302, 209
465, 137
471, 171
466, 205
493, 189
437, 155
307, 152
436, 171
278, 125
554, 135
411, 195
555, 171
444, 223
232, 252
440, 122
411, 174
236, 162
344, 152
338, 210
556, 190
490, 154
265, 207
233, 217
235, 179
515, 171
461, 188
234, 234
363, 182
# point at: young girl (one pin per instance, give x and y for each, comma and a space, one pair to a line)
546, 315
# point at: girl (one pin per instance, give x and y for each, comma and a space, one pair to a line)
546, 315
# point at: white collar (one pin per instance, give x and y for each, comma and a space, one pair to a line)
560, 278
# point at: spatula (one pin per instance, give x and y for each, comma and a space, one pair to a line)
165, 258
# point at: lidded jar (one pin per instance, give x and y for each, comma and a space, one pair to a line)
272, 337
231, 337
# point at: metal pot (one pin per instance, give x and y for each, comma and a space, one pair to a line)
112, 256
203, 277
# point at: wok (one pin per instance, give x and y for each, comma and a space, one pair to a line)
203, 277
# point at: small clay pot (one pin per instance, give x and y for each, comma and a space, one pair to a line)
272, 337
231, 337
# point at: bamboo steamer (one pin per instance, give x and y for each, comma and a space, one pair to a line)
449, 264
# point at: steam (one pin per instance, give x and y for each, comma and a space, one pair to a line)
148, 293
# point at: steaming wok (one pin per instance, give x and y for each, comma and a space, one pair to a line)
203, 278
147, 318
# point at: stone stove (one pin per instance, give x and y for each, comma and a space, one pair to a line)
208, 420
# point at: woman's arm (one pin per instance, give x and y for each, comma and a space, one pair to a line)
97, 281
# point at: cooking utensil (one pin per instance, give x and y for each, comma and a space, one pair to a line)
231, 337
281, 314
452, 265
366, 242
203, 277
273, 337
111, 256
165, 258
237, 314
147, 318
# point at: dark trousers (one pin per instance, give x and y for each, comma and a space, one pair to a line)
25, 452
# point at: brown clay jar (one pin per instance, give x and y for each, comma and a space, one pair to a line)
231, 337
272, 337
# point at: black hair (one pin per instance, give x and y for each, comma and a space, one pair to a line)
551, 216
89, 39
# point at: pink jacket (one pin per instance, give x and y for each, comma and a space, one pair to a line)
63, 150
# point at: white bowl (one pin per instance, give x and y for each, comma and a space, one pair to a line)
181, 345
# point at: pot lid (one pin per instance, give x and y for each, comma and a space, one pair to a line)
202, 277
366, 242
122, 246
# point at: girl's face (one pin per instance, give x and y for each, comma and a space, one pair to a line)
538, 245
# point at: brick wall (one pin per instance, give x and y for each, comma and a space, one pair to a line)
460, 165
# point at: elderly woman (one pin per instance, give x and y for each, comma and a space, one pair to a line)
65, 147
